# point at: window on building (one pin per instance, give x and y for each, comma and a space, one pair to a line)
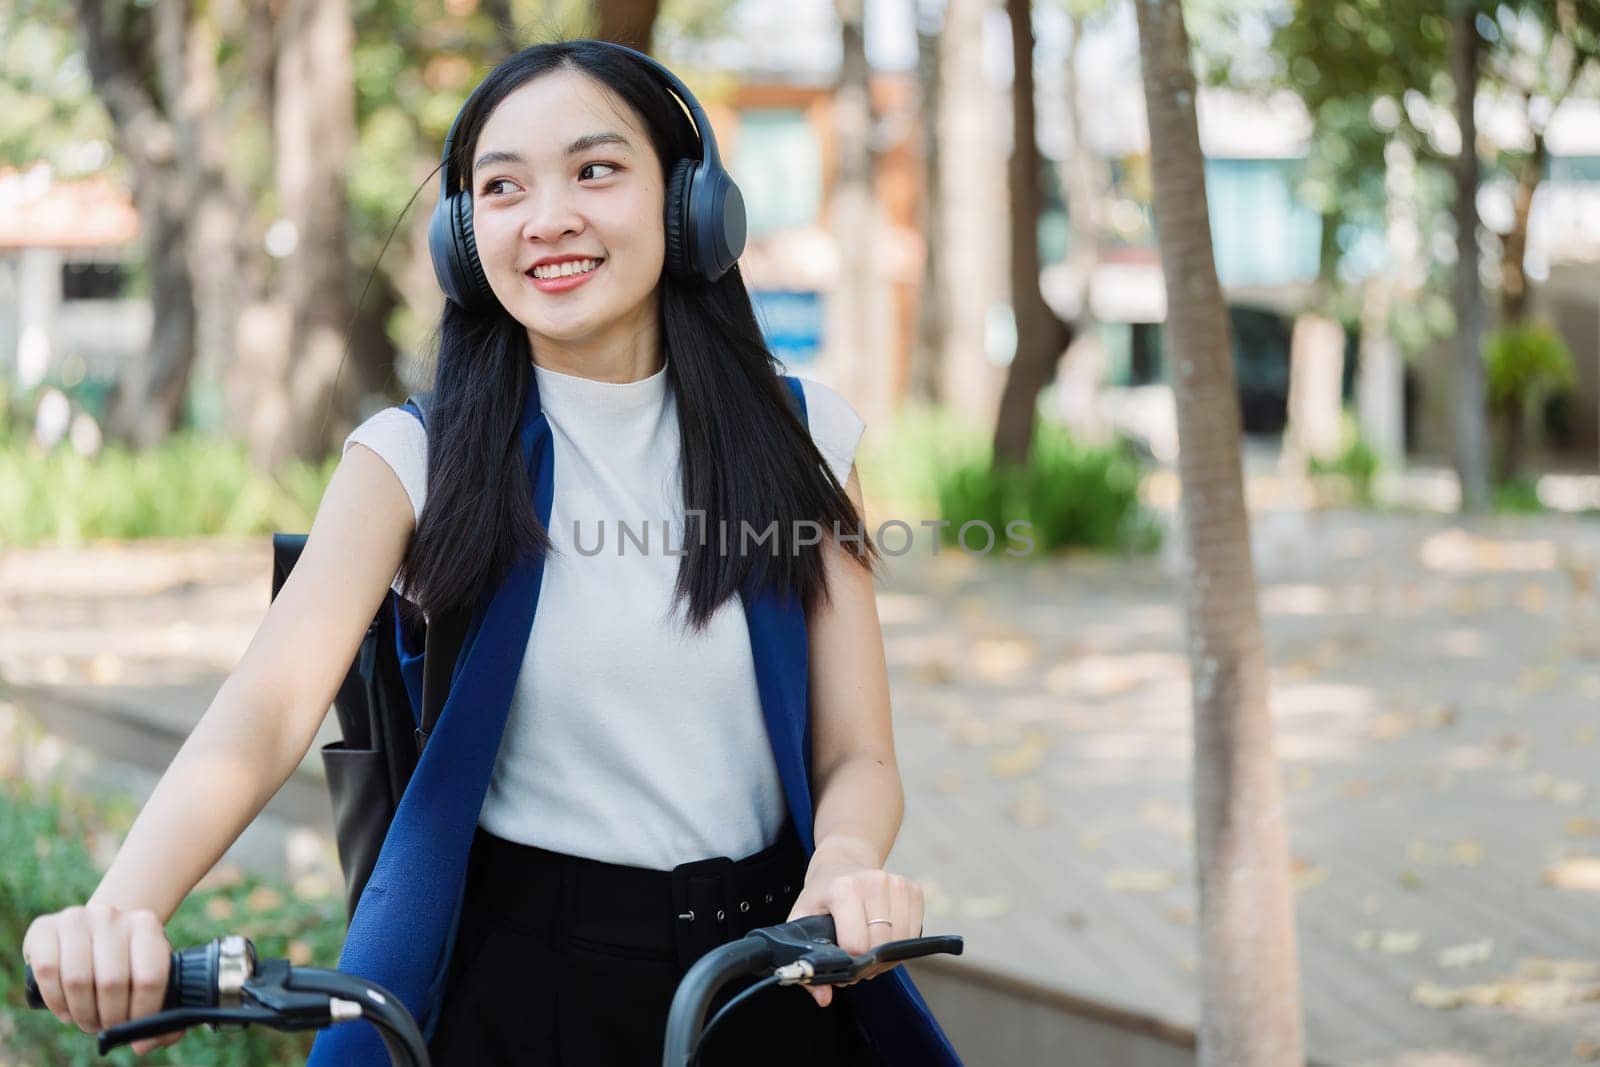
92, 281
778, 166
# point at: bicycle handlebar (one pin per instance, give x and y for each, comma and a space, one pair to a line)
222, 983
801, 951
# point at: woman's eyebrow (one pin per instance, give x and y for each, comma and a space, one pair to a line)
582, 144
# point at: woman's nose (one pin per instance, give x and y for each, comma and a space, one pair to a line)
551, 215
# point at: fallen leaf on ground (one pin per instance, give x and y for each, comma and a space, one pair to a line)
1467, 954
1140, 880
1306, 874
1019, 761
1580, 872
1168, 817
984, 907
973, 731
1031, 809
1389, 942
1522, 990
1001, 660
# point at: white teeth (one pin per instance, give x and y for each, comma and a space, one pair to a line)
567, 269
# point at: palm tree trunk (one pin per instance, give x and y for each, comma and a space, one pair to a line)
1249, 978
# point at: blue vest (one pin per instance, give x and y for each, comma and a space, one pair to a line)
403, 930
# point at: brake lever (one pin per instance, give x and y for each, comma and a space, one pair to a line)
810, 960
166, 1022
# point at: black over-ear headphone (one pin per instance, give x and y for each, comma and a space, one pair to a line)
705, 224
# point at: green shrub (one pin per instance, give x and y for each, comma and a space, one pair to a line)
1526, 359
1356, 464
1526, 363
1072, 494
48, 868
189, 485
1519, 496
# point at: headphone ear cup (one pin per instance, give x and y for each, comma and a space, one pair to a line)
475, 281
680, 263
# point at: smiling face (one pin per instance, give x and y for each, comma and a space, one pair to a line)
566, 183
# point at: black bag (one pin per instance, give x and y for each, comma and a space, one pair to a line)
368, 769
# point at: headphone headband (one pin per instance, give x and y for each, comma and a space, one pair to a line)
697, 117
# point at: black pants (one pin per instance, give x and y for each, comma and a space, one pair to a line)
561, 961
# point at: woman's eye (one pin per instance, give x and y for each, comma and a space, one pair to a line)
488, 187
590, 166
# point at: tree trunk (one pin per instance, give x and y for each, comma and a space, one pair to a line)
310, 404
1380, 382
222, 212
1513, 277
1041, 335
629, 22
859, 306
927, 354
1249, 980
119, 43
1316, 383
1471, 439
1086, 179
972, 209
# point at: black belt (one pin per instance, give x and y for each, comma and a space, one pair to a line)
679, 914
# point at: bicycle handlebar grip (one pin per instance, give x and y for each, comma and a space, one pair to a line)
817, 927
191, 980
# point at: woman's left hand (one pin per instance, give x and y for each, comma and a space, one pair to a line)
853, 893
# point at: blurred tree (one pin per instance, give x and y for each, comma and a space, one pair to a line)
1041, 335
136, 57
271, 149
1468, 397
1249, 979
927, 351
1086, 180
1380, 80
860, 302
1540, 52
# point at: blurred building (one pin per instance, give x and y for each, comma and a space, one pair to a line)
67, 274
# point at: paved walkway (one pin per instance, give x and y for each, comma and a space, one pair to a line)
1435, 688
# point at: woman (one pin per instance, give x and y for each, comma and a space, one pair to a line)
634, 746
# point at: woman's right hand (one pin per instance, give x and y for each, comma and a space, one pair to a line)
98, 965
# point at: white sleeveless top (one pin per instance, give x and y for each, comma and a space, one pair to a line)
630, 739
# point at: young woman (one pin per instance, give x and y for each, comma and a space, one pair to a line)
641, 745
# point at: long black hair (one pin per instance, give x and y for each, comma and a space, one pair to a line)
747, 458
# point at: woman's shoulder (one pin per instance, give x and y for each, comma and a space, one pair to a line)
836, 426
397, 436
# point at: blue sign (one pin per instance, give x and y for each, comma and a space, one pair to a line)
791, 322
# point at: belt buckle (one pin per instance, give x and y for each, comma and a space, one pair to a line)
699, 891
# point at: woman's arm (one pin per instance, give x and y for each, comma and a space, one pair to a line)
856, 780
266, 714
859, 799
